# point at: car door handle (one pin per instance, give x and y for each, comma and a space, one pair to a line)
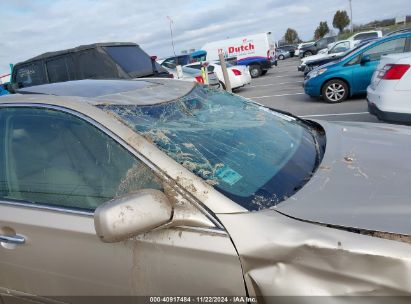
13, 239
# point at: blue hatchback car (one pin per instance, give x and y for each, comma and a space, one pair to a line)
350, 75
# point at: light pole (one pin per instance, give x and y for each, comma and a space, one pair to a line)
171, 34
352, 26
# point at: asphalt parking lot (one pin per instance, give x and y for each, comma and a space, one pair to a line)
281, 88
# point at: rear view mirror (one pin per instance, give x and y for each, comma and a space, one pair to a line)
365, 59
127, 216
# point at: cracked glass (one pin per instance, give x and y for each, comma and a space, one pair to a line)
255, 156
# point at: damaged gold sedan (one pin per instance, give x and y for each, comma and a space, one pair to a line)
161, 187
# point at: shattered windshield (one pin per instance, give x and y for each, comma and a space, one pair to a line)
255, 156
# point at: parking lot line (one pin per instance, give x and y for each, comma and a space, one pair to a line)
268, 96
334, 114
278, 76
272, 84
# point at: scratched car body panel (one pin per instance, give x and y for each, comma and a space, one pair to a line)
213, 245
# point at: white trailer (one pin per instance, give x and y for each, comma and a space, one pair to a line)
256, 51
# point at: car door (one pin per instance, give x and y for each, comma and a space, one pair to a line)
56, 168
362, 72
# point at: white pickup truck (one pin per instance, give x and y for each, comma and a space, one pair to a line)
335, 49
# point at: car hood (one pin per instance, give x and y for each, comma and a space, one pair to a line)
325, 58
363, 181
330, 64
314, 57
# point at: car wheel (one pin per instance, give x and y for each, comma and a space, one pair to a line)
335, 91
281, 57
255, 71
308, 53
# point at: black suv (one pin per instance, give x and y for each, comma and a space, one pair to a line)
320, 44
117, 60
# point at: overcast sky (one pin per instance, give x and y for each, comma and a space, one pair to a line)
31, 27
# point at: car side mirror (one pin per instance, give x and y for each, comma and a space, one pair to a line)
133, 214
365, 59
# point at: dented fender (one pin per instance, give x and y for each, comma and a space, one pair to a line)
282, 256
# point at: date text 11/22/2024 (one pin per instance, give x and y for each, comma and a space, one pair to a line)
203, 299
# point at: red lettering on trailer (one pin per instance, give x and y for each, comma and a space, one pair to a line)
242, 48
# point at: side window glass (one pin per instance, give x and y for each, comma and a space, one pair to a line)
389, 47
31, 74
355, 60
183, 60
54, 158
92, 64
195, 66
358, 37
60, 69
341, 47
322, 44
169, 63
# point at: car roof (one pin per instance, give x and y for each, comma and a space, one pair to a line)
404, 30
74, 50
374, 42
109, 92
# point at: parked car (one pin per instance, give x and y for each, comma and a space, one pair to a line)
281, 54
311, 64
239, 75
191, 74
256, 51
389, 93
173, 61
183, 59
403, 30
333, 50
366, 35
287, 48
336, 81
313, 49
297, 50
116, 60
168, 188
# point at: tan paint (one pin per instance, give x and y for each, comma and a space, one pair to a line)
285, 257
64, 257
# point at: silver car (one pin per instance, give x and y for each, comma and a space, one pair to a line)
167, 188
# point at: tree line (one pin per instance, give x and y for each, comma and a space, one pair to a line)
340, 22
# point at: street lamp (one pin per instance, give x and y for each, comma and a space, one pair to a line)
171, 34
352, 26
